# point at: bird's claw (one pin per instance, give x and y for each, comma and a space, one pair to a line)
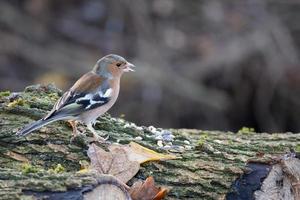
101, 139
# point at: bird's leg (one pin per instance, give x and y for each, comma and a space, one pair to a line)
75, 132
74, 127
95, 134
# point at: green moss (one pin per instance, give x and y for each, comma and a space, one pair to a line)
4, 93
246, 130
59, 168
53, 96
28, 168
202, 140
18, 102
297, 149
230, 142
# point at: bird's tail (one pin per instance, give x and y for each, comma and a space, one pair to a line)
35, 125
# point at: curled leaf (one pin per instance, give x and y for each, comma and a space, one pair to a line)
142, 154
147, 190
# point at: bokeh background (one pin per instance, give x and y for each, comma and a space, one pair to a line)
200, 64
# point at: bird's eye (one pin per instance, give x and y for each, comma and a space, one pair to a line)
119, 64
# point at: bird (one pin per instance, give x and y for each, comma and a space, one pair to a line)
91, 96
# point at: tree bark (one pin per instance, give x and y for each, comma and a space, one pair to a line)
212, 164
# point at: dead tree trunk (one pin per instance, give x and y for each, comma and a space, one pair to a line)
213, 164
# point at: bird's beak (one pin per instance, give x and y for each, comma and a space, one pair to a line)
128, 67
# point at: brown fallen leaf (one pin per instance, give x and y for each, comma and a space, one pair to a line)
147, 190
142, 154
115, 162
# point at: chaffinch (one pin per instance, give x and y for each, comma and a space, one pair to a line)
90, 97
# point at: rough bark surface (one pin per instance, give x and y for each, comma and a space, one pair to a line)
210, 161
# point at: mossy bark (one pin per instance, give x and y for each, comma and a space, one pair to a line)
210, 161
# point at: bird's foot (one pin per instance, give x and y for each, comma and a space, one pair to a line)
96, 135
98, 138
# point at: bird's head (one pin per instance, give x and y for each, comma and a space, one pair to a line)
112, 66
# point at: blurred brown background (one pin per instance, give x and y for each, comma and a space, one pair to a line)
200, 64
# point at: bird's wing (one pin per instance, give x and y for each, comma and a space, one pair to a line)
90, 91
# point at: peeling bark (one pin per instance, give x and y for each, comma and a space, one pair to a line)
210, 160
283, 182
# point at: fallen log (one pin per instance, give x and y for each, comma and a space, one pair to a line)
211, 164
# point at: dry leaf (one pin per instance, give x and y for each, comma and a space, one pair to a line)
147, 190
115, 162
142, 154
